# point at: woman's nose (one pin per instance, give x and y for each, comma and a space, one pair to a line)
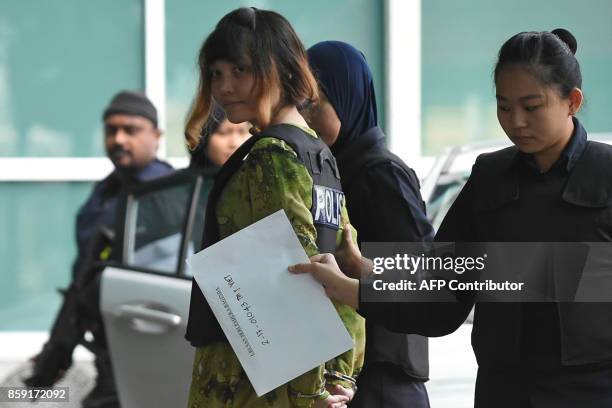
517, 118
226, 85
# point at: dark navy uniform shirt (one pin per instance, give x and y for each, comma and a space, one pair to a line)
101, 206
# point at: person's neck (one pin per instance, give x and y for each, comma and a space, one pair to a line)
288, 115
129, 173
546, 158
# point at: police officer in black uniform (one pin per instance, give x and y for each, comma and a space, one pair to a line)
131, 141
552, 186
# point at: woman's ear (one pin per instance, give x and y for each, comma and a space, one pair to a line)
576, 98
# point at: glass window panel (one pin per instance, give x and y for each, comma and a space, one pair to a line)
460, 43
60, 63
159, 218
37, 248
189, 22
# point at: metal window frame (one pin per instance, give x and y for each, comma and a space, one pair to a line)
155, 61
403, 77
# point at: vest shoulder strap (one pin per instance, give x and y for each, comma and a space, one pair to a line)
327, 195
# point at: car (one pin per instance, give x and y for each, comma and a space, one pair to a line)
145, 291
448, 175
452, 168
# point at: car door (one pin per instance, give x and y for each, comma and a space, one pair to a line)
144, 296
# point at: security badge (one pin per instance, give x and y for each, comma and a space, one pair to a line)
327, 204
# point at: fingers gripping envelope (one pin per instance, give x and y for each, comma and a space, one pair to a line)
280, 325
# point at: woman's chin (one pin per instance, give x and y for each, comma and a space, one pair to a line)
527, 147
237, 118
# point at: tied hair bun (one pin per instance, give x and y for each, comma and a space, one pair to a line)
567, 38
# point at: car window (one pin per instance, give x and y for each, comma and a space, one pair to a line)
443, 197
155, 227
162, 222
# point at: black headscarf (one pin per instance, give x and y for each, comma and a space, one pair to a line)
345, 78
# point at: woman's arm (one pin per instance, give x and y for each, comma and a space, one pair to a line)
431, 319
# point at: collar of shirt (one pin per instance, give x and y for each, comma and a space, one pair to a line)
155, 169
110, 186
571, 153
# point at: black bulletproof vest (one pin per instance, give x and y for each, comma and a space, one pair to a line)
202, 326
408, 351
357, 160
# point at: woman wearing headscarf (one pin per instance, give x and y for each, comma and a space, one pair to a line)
384, 205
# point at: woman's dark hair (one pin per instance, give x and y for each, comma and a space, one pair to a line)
264, 41
199, 155
550, 56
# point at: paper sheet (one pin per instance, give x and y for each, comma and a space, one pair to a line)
280, 325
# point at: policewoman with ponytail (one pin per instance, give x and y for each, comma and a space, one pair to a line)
255, 67
553, 185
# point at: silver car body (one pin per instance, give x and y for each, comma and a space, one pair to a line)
144, 297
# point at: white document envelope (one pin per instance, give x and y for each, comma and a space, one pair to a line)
280, 325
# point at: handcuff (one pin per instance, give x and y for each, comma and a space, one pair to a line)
335, 375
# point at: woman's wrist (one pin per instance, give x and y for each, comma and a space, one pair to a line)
350, 292
366, 267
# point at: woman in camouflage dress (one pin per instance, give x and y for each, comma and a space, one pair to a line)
254, 65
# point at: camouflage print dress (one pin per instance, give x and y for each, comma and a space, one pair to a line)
271, 178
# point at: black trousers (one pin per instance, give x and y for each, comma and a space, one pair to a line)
385, 385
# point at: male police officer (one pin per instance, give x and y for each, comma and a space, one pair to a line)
131, 141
